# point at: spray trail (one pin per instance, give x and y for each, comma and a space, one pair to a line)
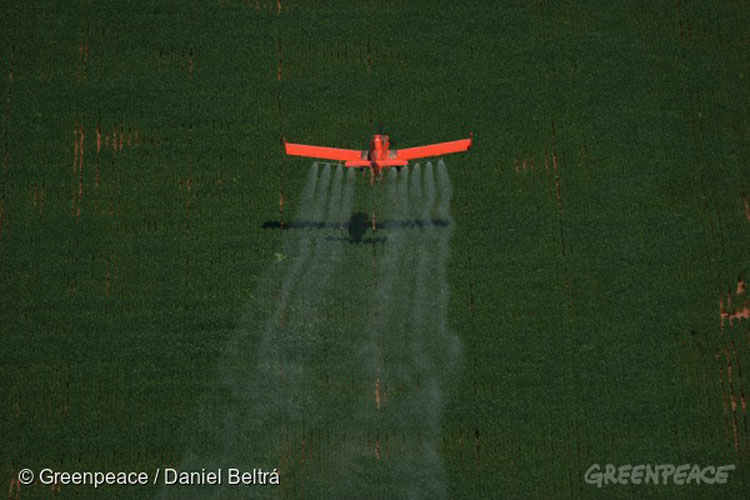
431, 351
409, 355
264, 375
345, 405
299, 244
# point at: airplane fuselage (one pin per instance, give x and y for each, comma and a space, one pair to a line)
379, 148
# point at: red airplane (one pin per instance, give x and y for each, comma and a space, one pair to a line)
380, 155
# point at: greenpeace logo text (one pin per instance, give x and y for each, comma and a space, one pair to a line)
657, 474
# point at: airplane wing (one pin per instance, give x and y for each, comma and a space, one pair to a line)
322, 152
441, 148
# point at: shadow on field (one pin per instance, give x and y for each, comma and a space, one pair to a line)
354, 362
357, 226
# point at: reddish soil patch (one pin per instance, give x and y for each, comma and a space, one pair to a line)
733, 396
747, 207
557, 176
14, 491
737, 314
726, 312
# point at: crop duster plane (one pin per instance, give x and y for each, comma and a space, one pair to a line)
380, 155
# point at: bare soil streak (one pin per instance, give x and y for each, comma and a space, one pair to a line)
78, 141
81, 137
733, 398
557, 176
377, 393
739, 376
14, 490
15, 487
725, 403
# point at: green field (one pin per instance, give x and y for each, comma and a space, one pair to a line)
584, 303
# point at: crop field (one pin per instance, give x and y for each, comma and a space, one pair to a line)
177, 294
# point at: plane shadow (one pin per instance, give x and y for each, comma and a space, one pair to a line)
357, 227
